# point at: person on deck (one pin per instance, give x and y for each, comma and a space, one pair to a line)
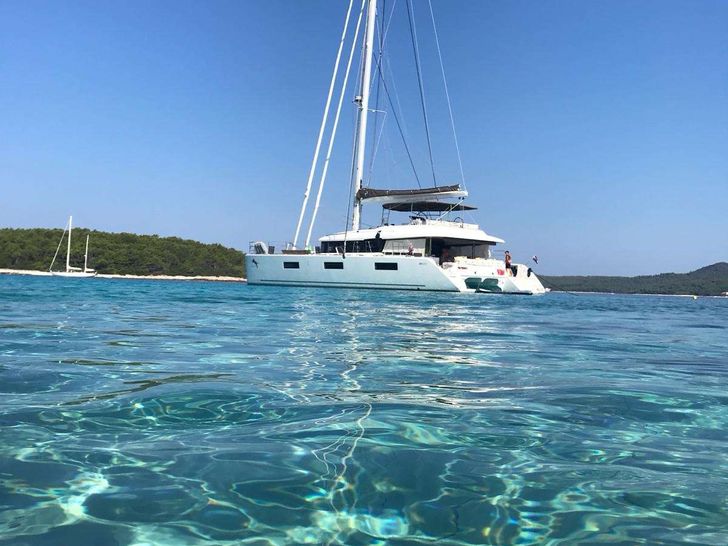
508, 264
445, 256
378, 243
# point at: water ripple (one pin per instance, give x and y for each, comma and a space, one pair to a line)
139, 412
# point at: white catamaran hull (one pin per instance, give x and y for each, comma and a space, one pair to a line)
389, 272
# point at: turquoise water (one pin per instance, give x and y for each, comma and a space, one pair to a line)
142, 412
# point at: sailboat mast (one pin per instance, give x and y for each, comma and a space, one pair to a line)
85, 257
68, 253
363, 101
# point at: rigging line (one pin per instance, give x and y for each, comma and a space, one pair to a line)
377, 140
447, 95
332, 137
379, 69
396, 95
323, 124
413, 35
389, 23
390, 71
401, 133
59, 247
450, 209
376, 95
383, 32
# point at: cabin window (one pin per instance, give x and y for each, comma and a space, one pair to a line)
385, 266
410, 247
362, 247
291, 265
460, 248
365, 246
332, 247
333, 265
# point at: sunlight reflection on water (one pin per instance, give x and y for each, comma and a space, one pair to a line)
139, 412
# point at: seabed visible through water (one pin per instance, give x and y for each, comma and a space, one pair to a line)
137, 412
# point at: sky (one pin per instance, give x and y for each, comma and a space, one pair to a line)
592, 134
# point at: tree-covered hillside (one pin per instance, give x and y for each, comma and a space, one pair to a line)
120, 253
707, 281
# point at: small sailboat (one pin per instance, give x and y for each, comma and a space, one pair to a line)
75, 272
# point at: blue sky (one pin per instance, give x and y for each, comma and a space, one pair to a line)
594, 134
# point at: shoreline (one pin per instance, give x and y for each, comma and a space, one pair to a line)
36, 273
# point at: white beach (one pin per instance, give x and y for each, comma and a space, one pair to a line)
140, 277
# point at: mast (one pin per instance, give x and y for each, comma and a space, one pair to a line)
85, 257
68, 253
363, 101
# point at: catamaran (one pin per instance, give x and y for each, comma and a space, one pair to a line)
433, 249
75, 272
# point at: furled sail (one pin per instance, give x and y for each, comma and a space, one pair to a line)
410, 195
426, 206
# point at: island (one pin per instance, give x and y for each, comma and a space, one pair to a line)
120, 253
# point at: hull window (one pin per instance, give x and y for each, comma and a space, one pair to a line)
385, 266
333, 265
291, 265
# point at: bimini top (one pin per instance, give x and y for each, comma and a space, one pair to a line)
426, 206
410, 196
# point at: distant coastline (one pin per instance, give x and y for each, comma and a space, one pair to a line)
585, 293
36, 273
711, 280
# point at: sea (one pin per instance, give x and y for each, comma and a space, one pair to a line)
140, 412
